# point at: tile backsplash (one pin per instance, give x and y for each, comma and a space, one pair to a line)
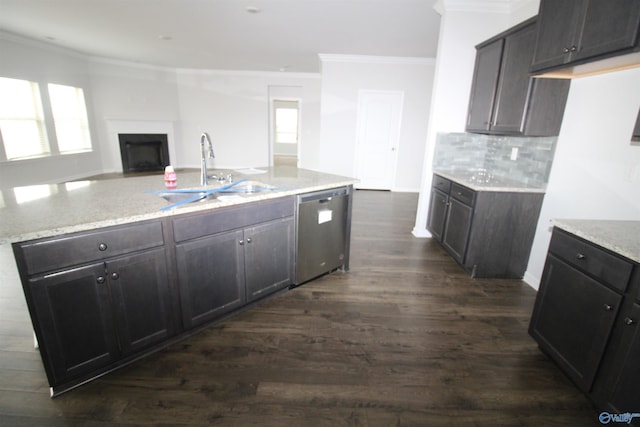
468, 152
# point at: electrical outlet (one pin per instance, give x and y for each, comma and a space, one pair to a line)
514, 153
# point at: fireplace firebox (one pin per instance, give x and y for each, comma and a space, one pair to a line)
143, 152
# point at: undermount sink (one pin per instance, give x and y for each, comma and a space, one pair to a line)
223, 192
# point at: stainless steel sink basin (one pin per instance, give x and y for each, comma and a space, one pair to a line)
187, 196
181, 197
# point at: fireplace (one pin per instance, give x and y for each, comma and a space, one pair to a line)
143, 152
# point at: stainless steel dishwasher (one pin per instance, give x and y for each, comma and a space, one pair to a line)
322, 229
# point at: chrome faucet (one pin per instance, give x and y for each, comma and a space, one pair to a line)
206, 152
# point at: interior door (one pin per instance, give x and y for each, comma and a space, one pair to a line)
378, 132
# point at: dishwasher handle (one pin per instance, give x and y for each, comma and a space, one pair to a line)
322, 196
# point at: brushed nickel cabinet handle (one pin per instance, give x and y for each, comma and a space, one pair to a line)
580, 256
629, 321
607, 307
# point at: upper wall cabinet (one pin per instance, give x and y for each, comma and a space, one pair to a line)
636, 130
572, 32
504, 98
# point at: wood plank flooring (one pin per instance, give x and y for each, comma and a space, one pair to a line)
405, 338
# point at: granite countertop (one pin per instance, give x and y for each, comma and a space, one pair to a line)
622, 237
484, 181
48, 210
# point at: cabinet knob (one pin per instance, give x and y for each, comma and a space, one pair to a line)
102, 247
100, 280
607, 307
115, 276
629, 321
573, 48
248, 239
580, 256
565, 50
241, 242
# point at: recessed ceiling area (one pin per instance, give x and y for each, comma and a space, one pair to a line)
258, 35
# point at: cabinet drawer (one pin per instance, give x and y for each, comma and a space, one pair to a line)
192, 226
78, 248
463, 194
441, 184
597, 262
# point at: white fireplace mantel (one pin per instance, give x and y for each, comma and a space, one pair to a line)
118, 126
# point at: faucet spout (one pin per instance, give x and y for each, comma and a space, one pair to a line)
206, 151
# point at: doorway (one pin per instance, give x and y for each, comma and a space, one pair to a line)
285, 112
286, 132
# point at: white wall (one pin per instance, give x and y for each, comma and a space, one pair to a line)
233, 107
38, 62
130, 98
461, 29
596, 171
342, 77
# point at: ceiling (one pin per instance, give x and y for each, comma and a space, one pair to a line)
261, 35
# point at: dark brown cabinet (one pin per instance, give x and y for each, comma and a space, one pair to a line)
73, 322
577, 31
504, 98
88, 316
210, 274
140, 294
586, 320
574, 334
230, 257
458, 222
488, 232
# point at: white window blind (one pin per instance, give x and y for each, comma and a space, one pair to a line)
70, 118
21, 119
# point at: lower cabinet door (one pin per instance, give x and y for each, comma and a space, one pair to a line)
268, 257
572, 320
71, 313
437, 213
210, 276
457, 229
140, 291
626, 393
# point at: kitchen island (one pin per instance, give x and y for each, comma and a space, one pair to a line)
110, 276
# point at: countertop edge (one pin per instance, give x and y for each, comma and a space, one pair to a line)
459, 179
195, 207
621, 237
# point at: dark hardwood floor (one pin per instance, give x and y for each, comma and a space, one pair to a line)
404, 338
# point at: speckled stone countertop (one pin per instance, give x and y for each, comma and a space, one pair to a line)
483, 181
622, 237
33, 212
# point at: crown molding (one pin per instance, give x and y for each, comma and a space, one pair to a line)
478, 6
368, 59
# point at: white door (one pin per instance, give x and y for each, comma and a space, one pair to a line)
378, 133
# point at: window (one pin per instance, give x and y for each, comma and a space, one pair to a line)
286, 120
21, 119
24, 120
70, 118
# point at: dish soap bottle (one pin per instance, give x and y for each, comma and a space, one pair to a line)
169, 177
